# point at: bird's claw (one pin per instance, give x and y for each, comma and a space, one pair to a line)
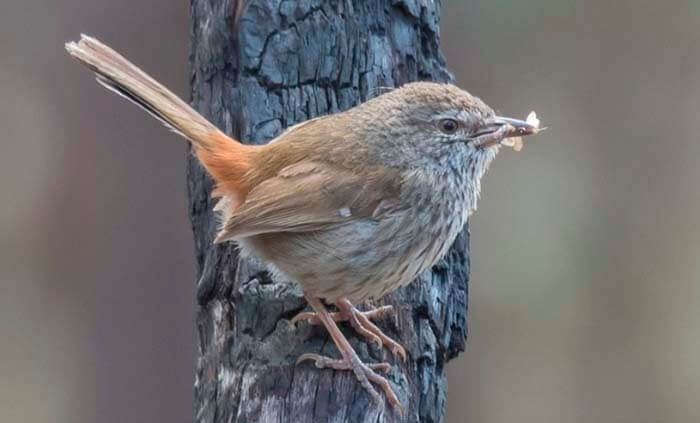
361, 322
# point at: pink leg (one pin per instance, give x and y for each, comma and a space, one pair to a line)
360, 321
363, 322
350, 361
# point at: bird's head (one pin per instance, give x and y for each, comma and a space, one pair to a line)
435, 123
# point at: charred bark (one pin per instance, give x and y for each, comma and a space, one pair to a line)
257, 68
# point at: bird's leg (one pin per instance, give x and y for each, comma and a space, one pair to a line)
350, 361
360, 321
312, 317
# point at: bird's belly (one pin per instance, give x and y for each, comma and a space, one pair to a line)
359, 260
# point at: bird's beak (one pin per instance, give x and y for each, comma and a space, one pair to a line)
499, 128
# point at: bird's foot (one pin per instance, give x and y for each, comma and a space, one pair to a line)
365, 374
360, 321
313, 319
323, 362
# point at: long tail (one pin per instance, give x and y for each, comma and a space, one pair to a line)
226, 160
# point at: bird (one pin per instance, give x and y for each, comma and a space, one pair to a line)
351, 205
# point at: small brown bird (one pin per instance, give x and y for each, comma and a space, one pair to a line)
350, 206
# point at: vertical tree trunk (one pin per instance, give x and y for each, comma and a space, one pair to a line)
261, 66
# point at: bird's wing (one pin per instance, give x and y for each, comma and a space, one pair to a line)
313, 196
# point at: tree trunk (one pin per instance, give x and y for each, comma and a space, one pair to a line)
257, 68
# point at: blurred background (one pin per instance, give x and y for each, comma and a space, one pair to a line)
585, 294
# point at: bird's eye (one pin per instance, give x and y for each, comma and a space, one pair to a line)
448, 126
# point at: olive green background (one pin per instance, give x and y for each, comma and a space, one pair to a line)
585, 295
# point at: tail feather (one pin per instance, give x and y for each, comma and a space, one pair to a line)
120, 90
226, 160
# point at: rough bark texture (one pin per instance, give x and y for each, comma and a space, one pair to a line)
257, 68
